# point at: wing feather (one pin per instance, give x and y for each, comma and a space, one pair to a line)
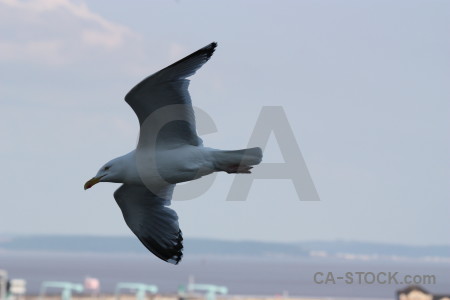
155, 225
169, 86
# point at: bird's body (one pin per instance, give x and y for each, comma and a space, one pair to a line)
168, 152
175, 165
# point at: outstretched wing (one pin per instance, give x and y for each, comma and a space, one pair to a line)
155, 225
168, 87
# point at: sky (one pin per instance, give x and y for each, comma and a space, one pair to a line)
364, 86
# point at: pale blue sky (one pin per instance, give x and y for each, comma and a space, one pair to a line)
365, 86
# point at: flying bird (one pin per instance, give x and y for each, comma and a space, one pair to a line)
168, 152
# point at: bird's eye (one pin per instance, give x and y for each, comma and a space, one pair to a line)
106, 168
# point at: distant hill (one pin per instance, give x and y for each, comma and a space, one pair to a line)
336, 248
196, 246
114, 244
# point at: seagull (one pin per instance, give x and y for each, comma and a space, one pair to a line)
168, 152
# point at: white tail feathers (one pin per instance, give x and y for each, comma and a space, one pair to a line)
237, 161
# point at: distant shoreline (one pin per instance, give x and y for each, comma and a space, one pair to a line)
336, 250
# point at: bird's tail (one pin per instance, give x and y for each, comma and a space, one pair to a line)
237, 161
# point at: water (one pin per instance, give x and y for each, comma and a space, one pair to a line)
242, 276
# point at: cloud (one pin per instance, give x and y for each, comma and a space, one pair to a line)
57, 32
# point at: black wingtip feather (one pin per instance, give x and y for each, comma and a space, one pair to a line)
204, 53
171, 255
211, 48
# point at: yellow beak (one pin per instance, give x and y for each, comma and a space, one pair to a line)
91, 182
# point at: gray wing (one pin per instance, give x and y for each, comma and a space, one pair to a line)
168, 87
155, 225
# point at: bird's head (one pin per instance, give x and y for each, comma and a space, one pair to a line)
109, 172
